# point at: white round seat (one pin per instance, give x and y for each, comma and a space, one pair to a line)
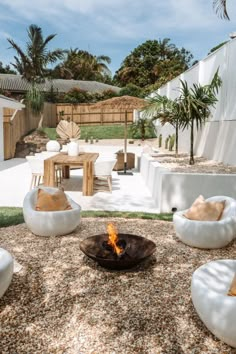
50, 223
208, 234
6, 270
217, 310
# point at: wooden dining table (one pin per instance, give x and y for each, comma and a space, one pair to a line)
84, 160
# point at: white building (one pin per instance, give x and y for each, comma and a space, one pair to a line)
6, 102
217, 139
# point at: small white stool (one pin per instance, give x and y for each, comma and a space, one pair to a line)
217, 310
6, 270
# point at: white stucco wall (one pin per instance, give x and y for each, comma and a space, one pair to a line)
217, 138
179, 190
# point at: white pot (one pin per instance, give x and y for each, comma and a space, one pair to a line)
73, 147
53, 145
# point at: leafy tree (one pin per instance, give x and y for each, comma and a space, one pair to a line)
132, 90
32, 63
81, 65
76, 95
155, 61
220, 8
194, 105
6, 69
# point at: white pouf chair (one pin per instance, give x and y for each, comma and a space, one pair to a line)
50, 223
209, 288
208, 234
6, 270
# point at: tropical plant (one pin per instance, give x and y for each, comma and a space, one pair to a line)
220, 8
166, 111
143, 128
35, 99
194, 106
32, 63
82, 65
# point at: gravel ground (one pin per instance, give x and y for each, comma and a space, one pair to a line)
201, 165
62, 302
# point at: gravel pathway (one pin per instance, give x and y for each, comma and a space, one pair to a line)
62, 302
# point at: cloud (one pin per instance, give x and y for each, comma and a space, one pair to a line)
105, 25
120, 18
4, 34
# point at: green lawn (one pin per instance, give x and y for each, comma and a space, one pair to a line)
115, 131
13, 216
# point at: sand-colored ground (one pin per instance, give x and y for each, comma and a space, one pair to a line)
62, 302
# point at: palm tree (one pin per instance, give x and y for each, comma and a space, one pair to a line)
142, 127
194, 106
82, 65
167, 111
220, 8
32, 63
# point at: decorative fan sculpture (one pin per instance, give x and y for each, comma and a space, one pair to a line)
67, 130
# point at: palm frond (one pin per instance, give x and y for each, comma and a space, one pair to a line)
221, 9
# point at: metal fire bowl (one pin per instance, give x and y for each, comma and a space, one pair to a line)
137, 249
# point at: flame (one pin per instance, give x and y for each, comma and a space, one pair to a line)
113, 238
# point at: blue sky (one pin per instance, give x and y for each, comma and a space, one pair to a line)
115, 27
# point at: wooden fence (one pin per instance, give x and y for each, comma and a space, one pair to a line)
17, 123
86, 114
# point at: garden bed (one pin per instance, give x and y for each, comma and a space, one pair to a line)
62, 302
202, 164
174, 184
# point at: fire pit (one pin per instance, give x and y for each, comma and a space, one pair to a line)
117, 251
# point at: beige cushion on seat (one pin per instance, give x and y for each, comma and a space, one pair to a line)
202, 210
52, 202
50, 223
232, 289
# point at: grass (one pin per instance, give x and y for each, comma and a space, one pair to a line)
104, 132
50, 132
10, 216
13, 216
115, 131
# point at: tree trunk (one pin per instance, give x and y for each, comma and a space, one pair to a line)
143, 132
191, 161
40, 125
177, 139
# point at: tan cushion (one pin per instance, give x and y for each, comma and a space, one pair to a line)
232, 289
205, 211
52, 202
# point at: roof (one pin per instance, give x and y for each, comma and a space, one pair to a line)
123, 102
15, 83
10, 103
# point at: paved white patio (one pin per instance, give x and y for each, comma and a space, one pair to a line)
129, 193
